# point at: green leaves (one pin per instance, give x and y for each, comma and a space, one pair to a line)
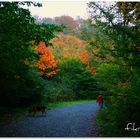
116, 51
80, 80
18, 31
130, 12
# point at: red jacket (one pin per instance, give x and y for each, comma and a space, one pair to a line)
100, 99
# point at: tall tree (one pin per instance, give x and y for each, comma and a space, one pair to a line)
46, 63
18, 31
116, 48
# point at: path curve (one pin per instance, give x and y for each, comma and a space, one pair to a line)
68, 121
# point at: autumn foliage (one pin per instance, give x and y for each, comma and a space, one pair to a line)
66, 20
46, 63
85, 58
68, 46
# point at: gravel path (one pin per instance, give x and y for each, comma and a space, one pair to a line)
68, 121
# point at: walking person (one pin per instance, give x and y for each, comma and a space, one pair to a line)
100, 99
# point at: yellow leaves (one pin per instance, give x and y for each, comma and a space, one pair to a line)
68, 46
50, 74
68, 40
61, 44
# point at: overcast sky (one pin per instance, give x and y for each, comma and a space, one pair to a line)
55, 8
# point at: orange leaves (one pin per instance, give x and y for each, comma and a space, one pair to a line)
85, 58
50, 74
68, 46
46, 60
40, 65
41, 48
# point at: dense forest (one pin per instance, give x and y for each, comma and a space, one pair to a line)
47, 60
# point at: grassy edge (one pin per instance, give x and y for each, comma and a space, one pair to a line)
59, 104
